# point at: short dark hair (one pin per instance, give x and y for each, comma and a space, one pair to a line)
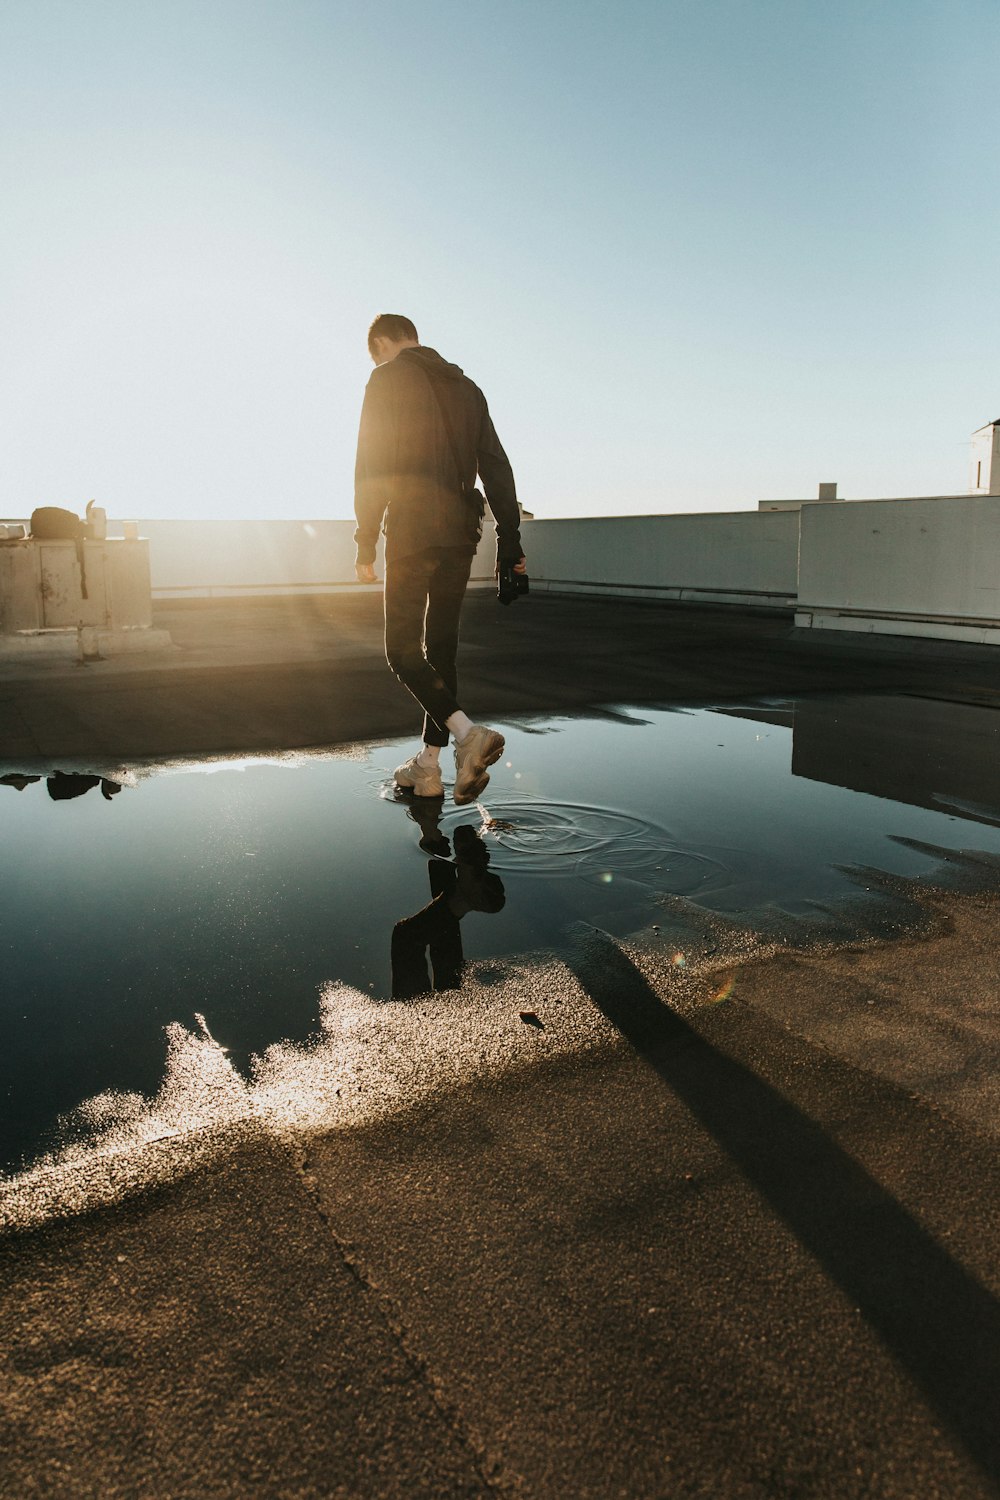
391, 326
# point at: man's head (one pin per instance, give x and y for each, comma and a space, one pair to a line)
389, 334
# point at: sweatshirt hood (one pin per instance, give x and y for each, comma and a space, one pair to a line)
432, 362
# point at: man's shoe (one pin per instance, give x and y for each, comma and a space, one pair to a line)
480, 748
422, 781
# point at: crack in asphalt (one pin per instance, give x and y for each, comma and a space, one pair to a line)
491, 1471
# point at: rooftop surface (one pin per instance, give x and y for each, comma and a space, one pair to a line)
288, 672
604, 1226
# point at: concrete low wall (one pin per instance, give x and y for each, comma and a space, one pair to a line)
738, 557
207, 559
921, 567
907, 567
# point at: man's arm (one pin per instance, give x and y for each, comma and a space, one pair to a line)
498, 482
372, 473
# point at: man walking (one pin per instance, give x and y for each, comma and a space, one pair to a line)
425, 433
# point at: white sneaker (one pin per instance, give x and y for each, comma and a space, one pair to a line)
422, 781
480, 748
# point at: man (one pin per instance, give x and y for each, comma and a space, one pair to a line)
425, 433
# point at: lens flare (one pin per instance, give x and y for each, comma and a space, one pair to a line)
723, 993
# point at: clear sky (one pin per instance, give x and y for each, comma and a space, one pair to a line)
696, 252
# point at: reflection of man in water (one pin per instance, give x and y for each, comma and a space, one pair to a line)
63, 786
425, 434
458, 886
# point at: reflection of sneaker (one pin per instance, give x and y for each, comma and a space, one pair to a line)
427, 815
422, 781
480, 748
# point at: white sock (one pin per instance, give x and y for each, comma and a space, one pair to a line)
429, 755
459, 724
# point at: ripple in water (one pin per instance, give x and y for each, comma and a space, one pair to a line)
527, 836
560, 838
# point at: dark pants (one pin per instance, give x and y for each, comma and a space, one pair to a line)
423, 602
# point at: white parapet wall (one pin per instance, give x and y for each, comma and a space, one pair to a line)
921, 567
219, 559
735, 557
900, 567
211, 559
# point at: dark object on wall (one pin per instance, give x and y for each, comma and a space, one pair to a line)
53, 524
510, 585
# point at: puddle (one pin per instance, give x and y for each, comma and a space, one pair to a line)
237, 891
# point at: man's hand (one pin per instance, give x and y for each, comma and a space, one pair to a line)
512, 579
365, 572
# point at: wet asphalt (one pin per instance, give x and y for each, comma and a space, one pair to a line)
730, 1233
284, 673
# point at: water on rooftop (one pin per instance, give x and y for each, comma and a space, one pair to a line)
235, 891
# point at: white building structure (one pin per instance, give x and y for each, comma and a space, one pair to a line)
984, 463
75, 600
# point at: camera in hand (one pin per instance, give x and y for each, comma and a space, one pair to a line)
510, 585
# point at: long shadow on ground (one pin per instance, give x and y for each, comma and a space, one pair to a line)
937, 1320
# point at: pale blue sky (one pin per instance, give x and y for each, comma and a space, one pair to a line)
696, 253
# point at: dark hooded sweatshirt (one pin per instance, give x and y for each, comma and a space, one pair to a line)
406, 479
